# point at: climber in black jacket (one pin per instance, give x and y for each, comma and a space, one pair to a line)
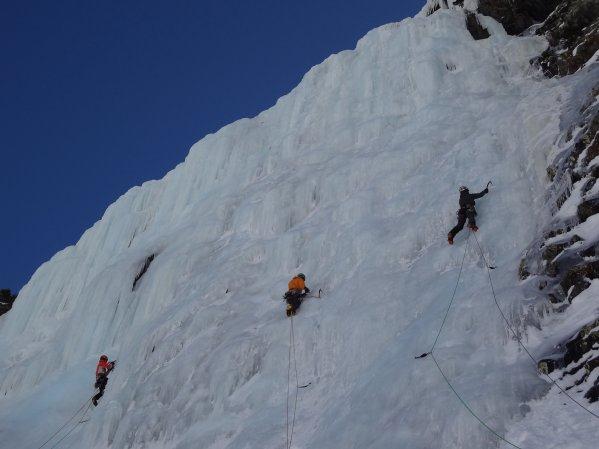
466, 211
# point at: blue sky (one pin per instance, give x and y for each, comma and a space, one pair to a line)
97, 97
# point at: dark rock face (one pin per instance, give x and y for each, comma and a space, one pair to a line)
591, 251
588, 208
570, 26
517, 16
523, 271
547, 366
576, 352
6, 300
552, 251
569, 261
578, 278
477, 31
4, 307
568, 264
593, 394
573, 34
143, 270
433, 10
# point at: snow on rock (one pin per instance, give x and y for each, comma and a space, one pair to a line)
563, 265
572, 31
352, 179
555, 421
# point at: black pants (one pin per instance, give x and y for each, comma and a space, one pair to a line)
464, 214
294, 300
100, 385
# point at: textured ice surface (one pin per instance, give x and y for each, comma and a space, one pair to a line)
352, 179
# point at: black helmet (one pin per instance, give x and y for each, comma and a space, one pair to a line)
104, 357
301, 275
463, 188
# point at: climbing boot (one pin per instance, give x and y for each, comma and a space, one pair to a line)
473, 228
450, 239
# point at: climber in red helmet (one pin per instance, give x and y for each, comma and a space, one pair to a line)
102, 369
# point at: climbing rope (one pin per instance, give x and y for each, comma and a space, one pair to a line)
455, 289
513, 331
287, 397
450, 301
297, 386
80, 421
467, 407
445, 378
67, 422
288, 384
515, 334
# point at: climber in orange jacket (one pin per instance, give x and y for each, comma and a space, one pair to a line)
296, 291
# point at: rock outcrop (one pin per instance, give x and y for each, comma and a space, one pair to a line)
573, 34
565, 262
6, 300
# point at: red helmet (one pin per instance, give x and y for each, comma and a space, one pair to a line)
104, 357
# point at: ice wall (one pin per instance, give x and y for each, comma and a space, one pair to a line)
351, 178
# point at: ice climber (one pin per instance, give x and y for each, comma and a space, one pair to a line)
466, 211
102, 369
295, 294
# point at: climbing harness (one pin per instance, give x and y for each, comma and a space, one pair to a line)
519, 340
88, 403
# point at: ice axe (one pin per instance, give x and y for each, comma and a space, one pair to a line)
490, 183
315, 296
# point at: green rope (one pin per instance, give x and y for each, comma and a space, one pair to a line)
464, 403
445, 378
519, 340
467, 407
455, 289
